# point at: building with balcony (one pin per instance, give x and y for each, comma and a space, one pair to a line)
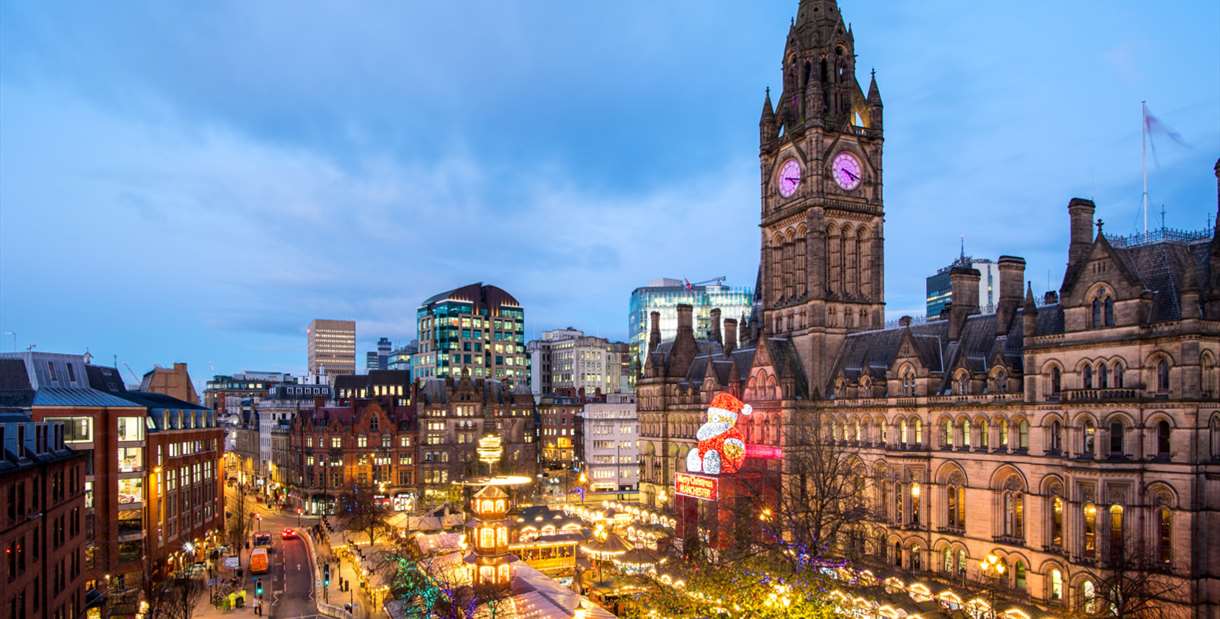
129, 439
42, 531
476, 330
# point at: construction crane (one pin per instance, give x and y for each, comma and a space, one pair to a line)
716, 280
132, 372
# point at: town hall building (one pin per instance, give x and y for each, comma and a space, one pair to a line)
1071, 434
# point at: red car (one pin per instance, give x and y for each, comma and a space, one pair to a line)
288, 534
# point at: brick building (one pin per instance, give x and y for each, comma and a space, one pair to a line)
131, 439
42, 484
560, 431
173, 381
411, 442
1069, 438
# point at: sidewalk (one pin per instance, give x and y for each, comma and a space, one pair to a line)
341, 569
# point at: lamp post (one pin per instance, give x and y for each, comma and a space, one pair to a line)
992, 567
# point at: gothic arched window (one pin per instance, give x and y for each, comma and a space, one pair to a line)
1103, 376
1116, 438
1056, 431
1057, 507
1086, 376
1118, 374
1090, 437
1109, 310
1164, 535
1056, 379
1162, 376
1096, 322
1089, 539
1162, 439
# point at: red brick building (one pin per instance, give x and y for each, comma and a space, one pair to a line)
42, 523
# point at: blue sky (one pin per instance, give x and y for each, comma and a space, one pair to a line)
184, 182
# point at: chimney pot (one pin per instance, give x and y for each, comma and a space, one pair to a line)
715, 316
905, 321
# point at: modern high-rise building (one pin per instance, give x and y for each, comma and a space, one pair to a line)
379, 359
665, 294
477, 329
400, 358
939, 290
332, 347
569, 360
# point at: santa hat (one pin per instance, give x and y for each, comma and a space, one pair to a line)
725, 402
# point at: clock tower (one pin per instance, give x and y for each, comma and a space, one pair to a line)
822, 262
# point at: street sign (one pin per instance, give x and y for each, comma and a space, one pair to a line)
232, 562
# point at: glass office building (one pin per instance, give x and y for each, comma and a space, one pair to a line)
664, 296
476, 328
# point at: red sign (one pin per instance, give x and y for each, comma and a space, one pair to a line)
766, 452
695, 486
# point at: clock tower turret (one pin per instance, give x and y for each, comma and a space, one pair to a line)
822, 208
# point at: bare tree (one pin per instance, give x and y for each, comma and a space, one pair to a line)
174, 598
822, 502
362, 511
1135, 586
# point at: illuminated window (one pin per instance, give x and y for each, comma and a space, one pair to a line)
1090, 529
1116, 533
1164, 529
1057, 522
1056, 585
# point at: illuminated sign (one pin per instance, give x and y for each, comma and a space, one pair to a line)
695, 486
765, 452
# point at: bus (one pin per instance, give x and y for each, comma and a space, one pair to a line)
260, 562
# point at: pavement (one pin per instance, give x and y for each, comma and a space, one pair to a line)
341, 569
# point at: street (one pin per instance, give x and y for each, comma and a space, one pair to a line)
288, 587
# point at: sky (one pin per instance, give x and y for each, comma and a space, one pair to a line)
195, 182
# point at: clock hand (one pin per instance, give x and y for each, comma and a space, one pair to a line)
848, 172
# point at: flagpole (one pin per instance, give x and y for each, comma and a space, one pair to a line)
1144, 159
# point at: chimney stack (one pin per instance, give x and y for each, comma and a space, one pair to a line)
730, 335
716, 326
1050, 298
654, 332
964, 282
686, 321
1012, 275
1080, 218
904, 322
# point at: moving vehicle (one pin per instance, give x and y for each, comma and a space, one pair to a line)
262, 538
260, 561
288, 534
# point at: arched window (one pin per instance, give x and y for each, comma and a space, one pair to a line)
1215, 437
1088, 449
916, 561
918, 431
1089, 541
961, 563
966, 433
949, 566
1003, 434
1088, 596
1056, 593
1103, 376
1116, 439
1164, 535
947, 439
1162, 439
897, 554
1014, 514
1056, 431
1116, 534
1109, 309
1086, 376
1018, 576
902, 432
963, 383
1001, 382
1023, 435
956, 503
1209, 375
984, 434
1096, 322
1057, 507
1118, 374
1056, 379
1162, 376
908, 381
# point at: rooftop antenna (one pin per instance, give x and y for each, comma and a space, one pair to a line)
1162, 216
962, 258
1144, 160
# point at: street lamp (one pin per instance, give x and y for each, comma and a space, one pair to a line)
992, 567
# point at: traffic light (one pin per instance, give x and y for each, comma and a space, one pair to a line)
325, 574
258, 587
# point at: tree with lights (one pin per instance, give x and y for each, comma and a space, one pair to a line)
362, 511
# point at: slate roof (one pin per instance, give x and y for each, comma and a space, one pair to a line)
1165, 268
70, 396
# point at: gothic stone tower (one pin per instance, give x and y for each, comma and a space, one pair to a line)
822, 209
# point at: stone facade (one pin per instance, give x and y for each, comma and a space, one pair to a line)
1068, 437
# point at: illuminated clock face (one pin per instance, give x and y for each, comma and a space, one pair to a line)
789, 178
846, 171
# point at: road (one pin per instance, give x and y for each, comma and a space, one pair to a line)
288, 587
